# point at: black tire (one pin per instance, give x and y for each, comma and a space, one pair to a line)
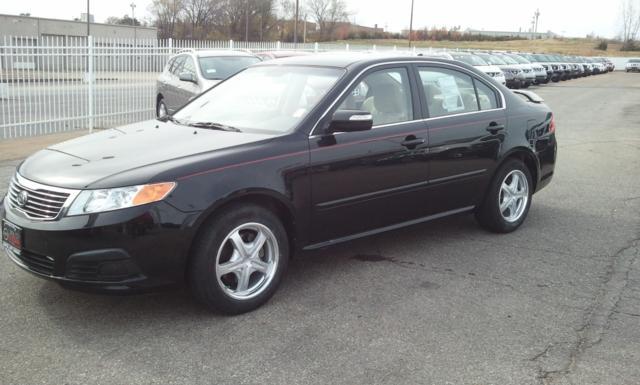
488, 213
202, 273
158, 106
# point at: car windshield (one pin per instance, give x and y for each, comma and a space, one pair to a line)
222, 67
541, 58
519, 59
634, 61
264, 99
508, 60
470, 59
492, 59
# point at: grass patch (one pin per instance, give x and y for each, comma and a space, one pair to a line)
564, 46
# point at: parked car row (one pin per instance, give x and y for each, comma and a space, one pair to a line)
520, 70
190, 72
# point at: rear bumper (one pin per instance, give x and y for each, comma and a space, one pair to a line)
546, 151
130, 250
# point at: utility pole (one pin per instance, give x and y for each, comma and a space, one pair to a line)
133, 20
411, 25
246, 21
88, 18
295, 26
133, 12
537, 15
304, 29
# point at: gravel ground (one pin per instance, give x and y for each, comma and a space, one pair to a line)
557, 302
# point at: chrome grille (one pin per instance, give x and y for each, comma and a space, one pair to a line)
42, 202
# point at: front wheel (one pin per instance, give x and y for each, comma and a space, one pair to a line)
239, 259
508, 199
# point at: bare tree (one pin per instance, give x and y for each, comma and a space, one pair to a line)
327, 13
167, 14
201, 14
630, 14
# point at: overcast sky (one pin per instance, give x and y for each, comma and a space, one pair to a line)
566, 17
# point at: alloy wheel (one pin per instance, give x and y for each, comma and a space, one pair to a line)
514, 196
247, 261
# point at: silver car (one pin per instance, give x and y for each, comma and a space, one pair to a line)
189, 73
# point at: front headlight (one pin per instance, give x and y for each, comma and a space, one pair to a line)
96, 201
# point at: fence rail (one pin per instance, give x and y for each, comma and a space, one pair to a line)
61, 83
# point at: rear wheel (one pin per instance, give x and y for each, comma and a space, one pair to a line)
239, 259
508, 199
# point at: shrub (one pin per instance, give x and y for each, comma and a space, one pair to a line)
603, 45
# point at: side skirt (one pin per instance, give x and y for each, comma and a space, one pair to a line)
387, 228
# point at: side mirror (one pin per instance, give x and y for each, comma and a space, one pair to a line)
187, 77
350, 121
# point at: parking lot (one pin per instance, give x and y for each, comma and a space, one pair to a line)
556, 302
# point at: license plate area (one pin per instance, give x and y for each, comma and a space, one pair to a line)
12, 237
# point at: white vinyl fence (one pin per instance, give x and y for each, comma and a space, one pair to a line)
62, 83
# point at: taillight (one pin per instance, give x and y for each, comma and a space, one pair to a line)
552, 125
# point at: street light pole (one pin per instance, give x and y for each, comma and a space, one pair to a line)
411, 25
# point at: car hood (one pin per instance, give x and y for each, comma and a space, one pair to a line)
206, 84
83, 162
509, 67
489, 69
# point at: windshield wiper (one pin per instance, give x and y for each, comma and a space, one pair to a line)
214, 126
169, 118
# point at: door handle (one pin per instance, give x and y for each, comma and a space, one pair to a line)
495, 127
412, 142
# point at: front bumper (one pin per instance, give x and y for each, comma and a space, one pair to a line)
131, 249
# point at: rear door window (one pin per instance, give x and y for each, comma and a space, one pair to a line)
450, 92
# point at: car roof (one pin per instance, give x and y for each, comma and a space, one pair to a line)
216, 52
349, 60
284, 53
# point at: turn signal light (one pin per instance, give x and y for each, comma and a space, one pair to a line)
153, 193
552, 125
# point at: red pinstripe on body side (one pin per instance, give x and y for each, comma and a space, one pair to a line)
326, 148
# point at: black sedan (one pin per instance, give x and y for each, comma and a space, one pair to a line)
288, 155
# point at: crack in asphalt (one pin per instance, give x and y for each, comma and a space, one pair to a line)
597, 317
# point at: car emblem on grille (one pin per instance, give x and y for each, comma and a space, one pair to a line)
22, 198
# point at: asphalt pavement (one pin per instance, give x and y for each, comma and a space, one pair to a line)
556, 302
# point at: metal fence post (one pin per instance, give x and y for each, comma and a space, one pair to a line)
278, 45
91, 75
230, 44
347, 47
170, 46
315, 47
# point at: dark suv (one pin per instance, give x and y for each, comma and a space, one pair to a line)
288, 155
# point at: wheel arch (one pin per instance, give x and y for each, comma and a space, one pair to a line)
527, 157
269, 199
